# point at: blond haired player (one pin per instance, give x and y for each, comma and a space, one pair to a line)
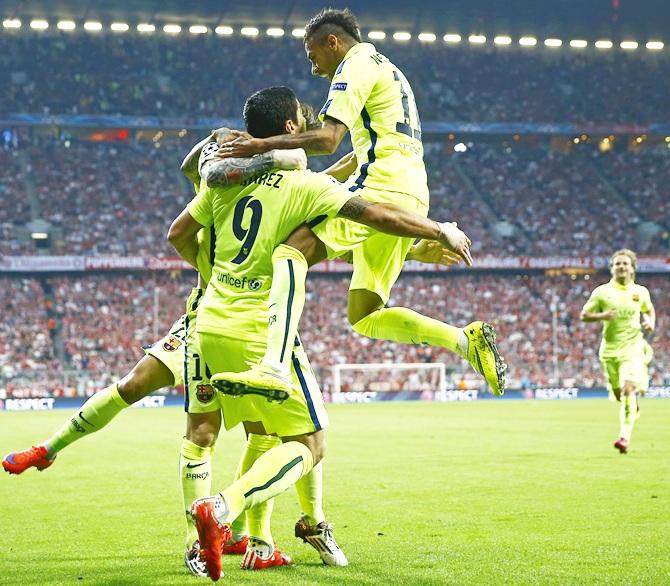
371, 99
625, 309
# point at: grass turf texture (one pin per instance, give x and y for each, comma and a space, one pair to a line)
504, 492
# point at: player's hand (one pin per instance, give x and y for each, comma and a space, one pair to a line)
243, 146
456, 241
647, 326
289, 159
608, 315
432, 252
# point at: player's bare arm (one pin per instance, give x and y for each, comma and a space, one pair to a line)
183, 236
189, 166
588, 316
320, 141
649, 321
391, 219
218, 171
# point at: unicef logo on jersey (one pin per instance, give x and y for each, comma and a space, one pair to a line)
239, 283
255, 284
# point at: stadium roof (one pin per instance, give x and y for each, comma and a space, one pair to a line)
642, 18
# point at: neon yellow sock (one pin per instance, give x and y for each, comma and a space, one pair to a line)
258, 517
627, 415
400, 324
287, 300
195, 474
93, 415
273, 473
310, 495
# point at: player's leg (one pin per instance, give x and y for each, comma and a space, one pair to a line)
148, 375
634, 377
290, 262
312, 527
377, 265
300, 421
627, 416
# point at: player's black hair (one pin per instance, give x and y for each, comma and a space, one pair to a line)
266, 111
332, 22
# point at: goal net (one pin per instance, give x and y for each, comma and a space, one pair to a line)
383, 377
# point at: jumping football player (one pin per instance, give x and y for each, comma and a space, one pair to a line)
371, 99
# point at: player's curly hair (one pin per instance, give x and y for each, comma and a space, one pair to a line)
332, 22
266, 111
624, 252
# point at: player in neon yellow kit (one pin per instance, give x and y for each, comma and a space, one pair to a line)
625, 309
250, 220
371, 99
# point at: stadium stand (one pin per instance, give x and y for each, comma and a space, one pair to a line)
104, 320
134, 75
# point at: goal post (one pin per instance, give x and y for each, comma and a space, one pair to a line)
389, 377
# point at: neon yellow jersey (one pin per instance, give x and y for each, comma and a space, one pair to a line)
374, 100
622, 335
250, 221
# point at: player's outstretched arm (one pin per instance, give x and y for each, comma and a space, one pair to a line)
319, 141
391, 219
218, 172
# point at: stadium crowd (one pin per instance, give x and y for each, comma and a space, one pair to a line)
103, 321
118, 198
147, 75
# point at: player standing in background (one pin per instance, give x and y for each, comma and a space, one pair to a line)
372, 99
625, 309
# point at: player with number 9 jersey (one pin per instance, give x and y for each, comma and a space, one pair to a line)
249, 221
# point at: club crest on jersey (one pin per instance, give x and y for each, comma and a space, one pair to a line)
204, 393
171, 344
636, 297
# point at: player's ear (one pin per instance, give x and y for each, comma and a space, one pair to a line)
290, 127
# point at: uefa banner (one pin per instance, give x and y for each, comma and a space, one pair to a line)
350, 397
84, 264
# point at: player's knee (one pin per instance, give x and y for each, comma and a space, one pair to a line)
202, 437
203, 428
318, 448
629, 388
132, 387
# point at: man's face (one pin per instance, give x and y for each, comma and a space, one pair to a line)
323, 56
301, 124
622, 268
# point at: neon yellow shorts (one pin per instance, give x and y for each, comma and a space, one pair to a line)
631, 368
170, 350
377, 258
199, 395
304, 410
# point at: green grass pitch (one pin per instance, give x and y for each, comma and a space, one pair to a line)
496, 492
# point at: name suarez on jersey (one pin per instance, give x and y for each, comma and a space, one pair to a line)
269, 179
